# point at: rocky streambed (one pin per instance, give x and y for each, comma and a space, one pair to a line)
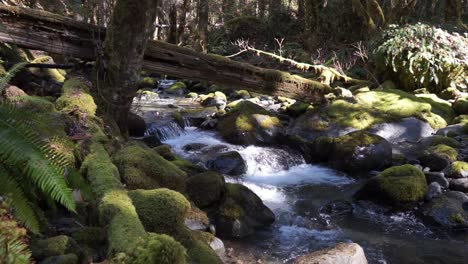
321, 175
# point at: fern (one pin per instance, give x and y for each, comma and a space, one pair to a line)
23, 150
10, 74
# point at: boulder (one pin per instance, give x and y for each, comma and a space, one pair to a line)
400, 186
438, 157
136, 125
448, 209
217, 99
343, 253
457, 169
62, 259
461, 106
178, 88
460, 185
205, 189
241, 213
54, 246
12, 91
230, 163
359, 152
408, 129
142, 168
438, 177
193, 147
434, 190
249, 123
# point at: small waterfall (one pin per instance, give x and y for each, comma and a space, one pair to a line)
165, 130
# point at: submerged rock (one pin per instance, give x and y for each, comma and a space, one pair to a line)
343, 253
230, 163
449, 209
242, 212
400, 186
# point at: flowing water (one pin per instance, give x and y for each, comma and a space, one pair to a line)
298, 194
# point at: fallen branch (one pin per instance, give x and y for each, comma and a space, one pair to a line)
326, 74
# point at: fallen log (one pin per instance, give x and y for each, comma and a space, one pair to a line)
41, 30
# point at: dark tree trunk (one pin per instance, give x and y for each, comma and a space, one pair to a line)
275, 8
262, 4
173, 37
183, 20
229, 9
311, 21
119, 68
203, 16
300, 10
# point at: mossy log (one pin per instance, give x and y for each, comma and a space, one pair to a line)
41, 30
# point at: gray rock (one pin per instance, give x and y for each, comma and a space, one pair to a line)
434, 161
459, 185
438, 177
230, 163
218, 246
449, 209
456, 129
343, 253
434, 190
407, 129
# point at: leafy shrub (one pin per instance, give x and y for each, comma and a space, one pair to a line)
420, 55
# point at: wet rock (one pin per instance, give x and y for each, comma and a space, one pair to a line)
206, 188
449, 209
438, 177
230, 163
337, 208
400, 186
434, 190
193, 147
408, 129
136, 125
151, 141
218, 246
452, 130
459, 185
434, 161
178, 88
343, 253
242, 212
248, 124
359, 152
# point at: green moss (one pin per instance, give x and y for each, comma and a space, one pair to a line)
438, 140
161, 210
449, 93
197, 215
200, 252
143, 168
76, 97
401, 186
93, 237
187, 166
192, 95
381, 106
179, 119
462, 119
347, 144
457, 169
232, 210
54, 74
241, 94
439, 106
461, 106
456, 218
165, 151
148, 82
177, 86
444, 150
161, 249
206, 188
298, 108
62, 259
33, 104
54, 246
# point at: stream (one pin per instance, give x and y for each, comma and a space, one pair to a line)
314, 208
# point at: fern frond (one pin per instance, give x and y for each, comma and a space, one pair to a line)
10, 74
22, 148
20, 204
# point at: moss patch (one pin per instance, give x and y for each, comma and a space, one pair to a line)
438, 140
143, 168
76, 97
206, 188
443, 150
457, 169
461, 106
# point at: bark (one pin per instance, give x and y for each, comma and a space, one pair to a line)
40, 30
173, 37
183, 19
262, 8
229, 9
118, 69
300, 10
203, 15
275, 8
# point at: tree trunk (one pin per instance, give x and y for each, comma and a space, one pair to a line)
40, 30
118, 70
300, 10
229, 9
203, 16
262, 8
183, 20
275, 8
453, 12
173, 37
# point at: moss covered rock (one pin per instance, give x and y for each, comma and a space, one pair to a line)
356, 152
298, 108
249, 123
448, 210
178, 88
160, 210
200, 252
148, 82
400, 186
143, 168
93, 237
461, 106
206, 188
54, 246
165, 151
438, 157
187, 166
161, 249
444, 150
62, 259
458, 169
76, 97
438, 140
242, 212
240, 94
